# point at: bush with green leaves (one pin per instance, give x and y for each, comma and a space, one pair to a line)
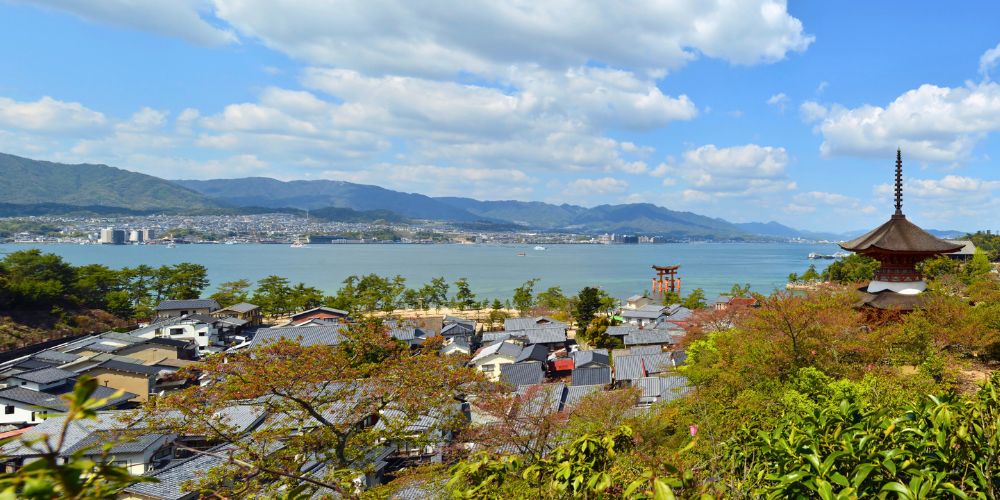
941, 447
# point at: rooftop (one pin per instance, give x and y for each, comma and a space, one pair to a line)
172, 305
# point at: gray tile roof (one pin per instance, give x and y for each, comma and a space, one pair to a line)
242, 308
310, 335
494, 336
55, 402
458, 329
93, 444
594, 375
621, 330
172, 477
534, 352
121, 366
170, 305
46, 375
629, 367
337, 312
658, 362
505, 349
56, 356
647, 337
540, 335
649, 311
598, 357
575, 393
538, 398
518, 374
532, 323
656, 389
458, 344
50, 428
31, 364
406, 332
644, 349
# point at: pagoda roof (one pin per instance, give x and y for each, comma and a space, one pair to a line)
890, 300
900, 235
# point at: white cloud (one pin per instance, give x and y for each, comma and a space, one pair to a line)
591, 187
989, 60
50, 116
946, 198
812, 111
779, 100
480, 37
434, 180
930, 123
810, 201
740, 171
185, 19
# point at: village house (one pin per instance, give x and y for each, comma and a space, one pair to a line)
175, 308
26, 406
135, 378
636, 301
318, 313
644, 316
249, 313
201, 329
489, 359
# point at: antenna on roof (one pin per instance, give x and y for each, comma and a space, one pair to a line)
899, 181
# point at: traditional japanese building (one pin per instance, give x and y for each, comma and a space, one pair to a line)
898, 245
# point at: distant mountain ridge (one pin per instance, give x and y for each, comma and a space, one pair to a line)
34, 187
24, 181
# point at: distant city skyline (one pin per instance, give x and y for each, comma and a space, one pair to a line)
749, 111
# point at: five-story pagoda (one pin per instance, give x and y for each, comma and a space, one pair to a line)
898, 245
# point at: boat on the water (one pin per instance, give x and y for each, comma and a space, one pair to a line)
539, 247
521, 254
815, 256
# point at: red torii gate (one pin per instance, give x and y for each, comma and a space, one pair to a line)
666, 280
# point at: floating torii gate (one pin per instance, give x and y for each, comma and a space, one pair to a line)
666, 280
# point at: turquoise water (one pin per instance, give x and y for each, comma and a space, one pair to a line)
493, 270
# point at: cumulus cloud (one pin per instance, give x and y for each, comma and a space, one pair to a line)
930, 123
435, 180
946, 197
185, 19
779, 100
989, 60
481, 37
50, 116
590, 187
810, 201
711, 172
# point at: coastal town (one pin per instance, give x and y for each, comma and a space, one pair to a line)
481, 250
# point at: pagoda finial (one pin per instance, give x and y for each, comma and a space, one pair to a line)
899, 181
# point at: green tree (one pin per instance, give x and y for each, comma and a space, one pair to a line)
977, 268
464, 298
524, 298
695, 299
596, 335
182, 281
811, 274
94, 282
273, 295
232, 292
553, 299
740, 290
854, 268
938, 266
371, 293
588, 304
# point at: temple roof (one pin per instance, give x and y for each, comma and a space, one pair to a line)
900, 235
890, 300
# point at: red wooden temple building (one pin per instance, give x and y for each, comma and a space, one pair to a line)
899, 245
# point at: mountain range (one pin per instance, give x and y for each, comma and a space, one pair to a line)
34, 187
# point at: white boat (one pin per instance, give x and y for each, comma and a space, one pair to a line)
298, 244
171, 245
539, 248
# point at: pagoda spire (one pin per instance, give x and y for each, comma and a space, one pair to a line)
899, 182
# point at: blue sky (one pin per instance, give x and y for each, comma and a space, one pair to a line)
751, 111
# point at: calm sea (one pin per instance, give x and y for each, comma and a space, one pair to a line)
492, 270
